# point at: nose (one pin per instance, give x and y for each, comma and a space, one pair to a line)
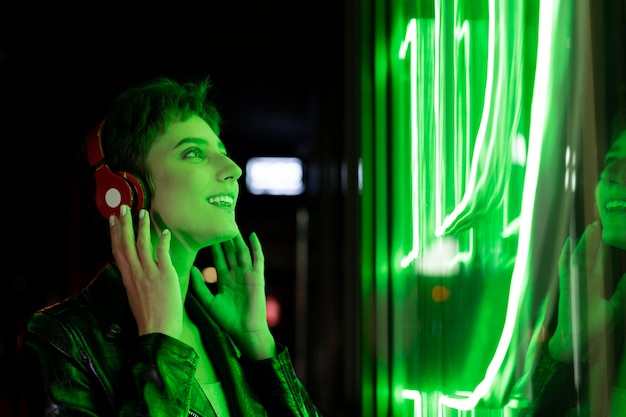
230, 170
616, 172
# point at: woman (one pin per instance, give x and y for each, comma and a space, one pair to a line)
148, 336
582, 368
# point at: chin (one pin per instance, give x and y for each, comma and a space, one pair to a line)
614, 239
230, 236
223, 237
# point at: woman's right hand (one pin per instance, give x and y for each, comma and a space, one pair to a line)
583, 311
152, 286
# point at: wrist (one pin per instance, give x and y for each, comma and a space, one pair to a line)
257, 346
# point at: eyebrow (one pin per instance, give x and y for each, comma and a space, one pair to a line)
199, 141
615, 153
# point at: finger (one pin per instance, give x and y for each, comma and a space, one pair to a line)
230, 254
116, 243
219, 260
199, 286
127, 235
257, 253
594, 238
164, 260
589, 244
600, 259
595, 257
564, 259
144, 241
244, 259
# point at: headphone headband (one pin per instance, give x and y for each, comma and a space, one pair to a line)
95, 153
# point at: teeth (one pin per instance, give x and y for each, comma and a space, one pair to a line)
616, 205
222, 200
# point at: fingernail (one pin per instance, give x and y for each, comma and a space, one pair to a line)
111, 220
142, 213
165, 232
123, 210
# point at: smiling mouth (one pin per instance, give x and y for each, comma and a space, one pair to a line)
222, 201
615, 205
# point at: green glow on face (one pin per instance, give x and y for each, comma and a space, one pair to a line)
460, 114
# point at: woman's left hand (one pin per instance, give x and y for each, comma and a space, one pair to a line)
583, 311
239, 306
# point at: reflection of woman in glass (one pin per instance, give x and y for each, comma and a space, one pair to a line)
582, 371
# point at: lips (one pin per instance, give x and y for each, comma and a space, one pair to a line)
615, 205
222, 200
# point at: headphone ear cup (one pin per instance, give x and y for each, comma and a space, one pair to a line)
140, 192
112, 191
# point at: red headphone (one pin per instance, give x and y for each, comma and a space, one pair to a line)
113, 189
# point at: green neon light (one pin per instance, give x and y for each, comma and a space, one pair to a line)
410, 40
438, 104
416, 397
541, 96
496, 147
474, 183
410, 44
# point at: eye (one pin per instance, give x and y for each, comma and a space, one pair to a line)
193, 152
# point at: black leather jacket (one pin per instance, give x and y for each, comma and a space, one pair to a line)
82, 357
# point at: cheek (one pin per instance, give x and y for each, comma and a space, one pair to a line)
165, 189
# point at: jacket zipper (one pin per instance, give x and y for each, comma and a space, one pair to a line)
193, 414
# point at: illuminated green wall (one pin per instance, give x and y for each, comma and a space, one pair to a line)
464, 108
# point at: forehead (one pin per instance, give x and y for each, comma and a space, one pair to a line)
194, 129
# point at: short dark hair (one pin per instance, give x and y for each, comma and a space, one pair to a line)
138, 115
142, 112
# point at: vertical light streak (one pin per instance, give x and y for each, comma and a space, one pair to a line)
439, 107
570, 169
510, 226
471, 186
463, 134
462, 37
410, 45
410, 41
541, 96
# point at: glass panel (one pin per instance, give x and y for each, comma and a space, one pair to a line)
481, 150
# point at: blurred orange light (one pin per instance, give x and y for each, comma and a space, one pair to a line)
440, 293
272, 311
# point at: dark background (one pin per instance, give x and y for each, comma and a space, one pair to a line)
286, 77
279, 70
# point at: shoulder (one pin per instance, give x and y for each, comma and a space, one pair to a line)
100, 309
57, 318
